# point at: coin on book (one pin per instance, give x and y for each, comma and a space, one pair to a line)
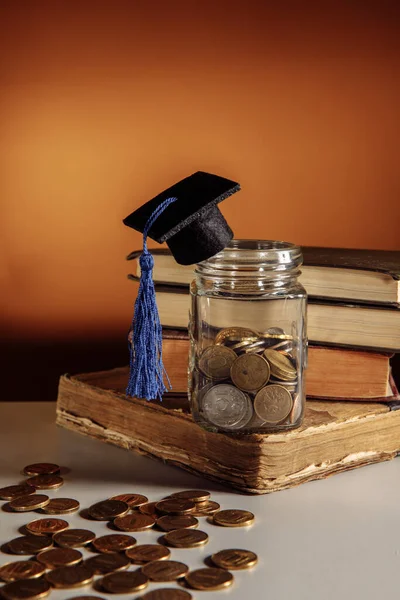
273, 404
210, 578
250, 372
27, 503
11, 492
59, 557
134, 522
74, 538
185, 538
215, 362
41, 469
26, 589
107, 563
21, 569
70, 577
45, 482
225, 406
108, 509
60, 506
172, 522
233, 518
145, 553
125, 582
165, 570
234, 558
29, 544
46, 526
132, 500
114, 542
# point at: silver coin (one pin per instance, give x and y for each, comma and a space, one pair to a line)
275, 331
226, 406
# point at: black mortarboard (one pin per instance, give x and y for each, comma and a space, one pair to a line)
193, 226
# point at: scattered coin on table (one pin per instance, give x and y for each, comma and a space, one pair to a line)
21, 569
29, 544
114, 542
41, 469
207, 510
145, 553
176, 506
86, 598
234, 559
209, 578
60, 506
195, 495
46, 526
165, 570
125, 582
10, 492
26, 589
167, 594
149, 509
135, 522
132, 500
108, 510
45, 482
29, 502
74, 538
68, 577
59, 557
171, 522
233, 518
185, 538
107, 563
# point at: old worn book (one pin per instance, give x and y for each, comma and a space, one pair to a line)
371, 276
332, 373
335, 436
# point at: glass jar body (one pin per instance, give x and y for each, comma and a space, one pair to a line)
248, 341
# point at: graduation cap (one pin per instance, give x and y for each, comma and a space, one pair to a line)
187, 217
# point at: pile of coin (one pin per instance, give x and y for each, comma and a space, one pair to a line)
247, 381
57, 562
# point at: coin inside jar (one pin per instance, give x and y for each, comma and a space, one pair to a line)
29, 544
41, 469
165, 570
115, 542
125, 582
145, 553
281, 366
135, 522
132, 500
59, 506
233, 518
107, 563
216, 361
74, 538
195, 495
235, 334
176, 506
59, 557
226, 407
167, 594
21, 569
108, 509
26, 589
250, 372
69, 577
233, 559
273, 404
30, 502
185, 538
210, 578
11, 492
45, 482
46, 526
172, 522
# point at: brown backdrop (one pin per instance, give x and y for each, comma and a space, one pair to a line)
105, 103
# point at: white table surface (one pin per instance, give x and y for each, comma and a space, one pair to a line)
333, 539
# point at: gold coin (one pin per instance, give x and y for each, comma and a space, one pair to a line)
176, 506
108, 509
235, 334
132, 500
234, 559
41, 469
250, 372
74, 538
60, 506
149, 509
196, 495
209, 578
15, 491
233, 518
26, 589
185, 538
273, 404
134, 522
115, 542
216, 361
70, 577
59, 557
86, 598
145, 553
45, 482
26, 503
29, 544
107, 563
167, 594
165, 570
125, 583
280, 364
46, 526
21, 569
207, 510
172, 522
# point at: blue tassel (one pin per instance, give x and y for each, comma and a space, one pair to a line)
146, 373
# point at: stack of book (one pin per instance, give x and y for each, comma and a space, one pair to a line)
353, 320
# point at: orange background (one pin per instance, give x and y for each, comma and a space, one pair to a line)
103, 104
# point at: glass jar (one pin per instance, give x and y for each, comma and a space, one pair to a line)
248, 340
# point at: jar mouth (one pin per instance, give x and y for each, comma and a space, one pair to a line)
254, 256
